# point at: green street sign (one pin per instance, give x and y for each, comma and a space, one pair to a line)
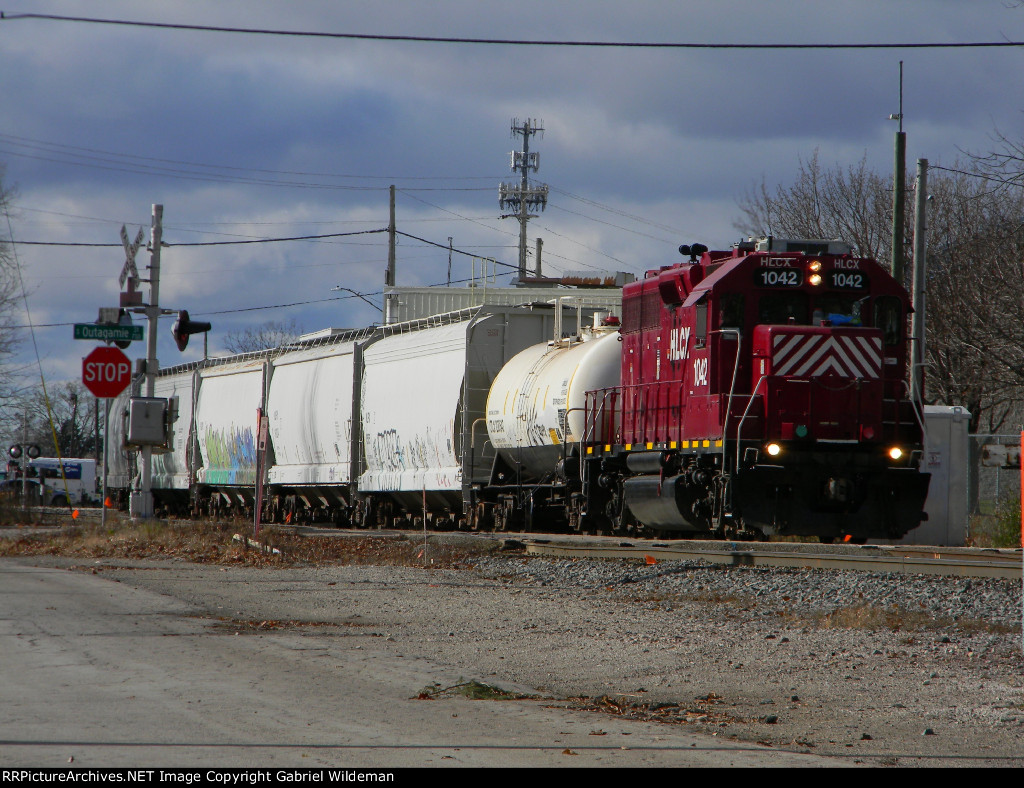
101, 333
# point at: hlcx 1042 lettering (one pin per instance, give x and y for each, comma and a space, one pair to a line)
849, 280
779, 277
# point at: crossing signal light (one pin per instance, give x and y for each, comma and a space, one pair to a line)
183, 328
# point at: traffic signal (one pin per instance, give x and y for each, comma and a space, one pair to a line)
183, 328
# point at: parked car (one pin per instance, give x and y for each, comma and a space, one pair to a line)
11, 490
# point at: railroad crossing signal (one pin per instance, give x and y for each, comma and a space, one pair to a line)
106, 372
131, 248
183, 328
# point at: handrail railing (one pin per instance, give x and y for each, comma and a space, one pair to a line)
739, 427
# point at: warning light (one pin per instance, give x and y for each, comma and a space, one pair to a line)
895, 453
773, 449
183, 328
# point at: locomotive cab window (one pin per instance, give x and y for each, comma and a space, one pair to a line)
730, 311
838, 310
889, 317
784, 307
700, 320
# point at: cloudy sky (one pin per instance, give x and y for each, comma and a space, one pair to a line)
246, 137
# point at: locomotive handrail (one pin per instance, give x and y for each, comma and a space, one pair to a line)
728, 402
739, 427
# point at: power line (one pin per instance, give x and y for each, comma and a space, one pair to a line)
502, 41
453, 249
215, 243
99, 154
616, 211
1006, 182
609, 224
70, 158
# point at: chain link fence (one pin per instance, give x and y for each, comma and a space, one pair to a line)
993, 490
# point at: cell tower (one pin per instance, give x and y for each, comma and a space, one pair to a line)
521, 199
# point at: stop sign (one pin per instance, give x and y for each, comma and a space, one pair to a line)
106, 372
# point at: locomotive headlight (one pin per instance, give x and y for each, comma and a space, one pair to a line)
814, 279
773, 449
815, 265
895, 453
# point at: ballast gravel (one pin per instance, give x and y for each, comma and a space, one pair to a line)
798, 591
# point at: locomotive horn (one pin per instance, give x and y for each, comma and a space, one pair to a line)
693, 250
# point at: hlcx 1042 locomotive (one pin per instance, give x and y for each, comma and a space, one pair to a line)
755, 391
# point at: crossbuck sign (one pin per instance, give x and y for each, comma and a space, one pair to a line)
130, 250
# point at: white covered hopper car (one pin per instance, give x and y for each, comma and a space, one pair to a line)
367, 427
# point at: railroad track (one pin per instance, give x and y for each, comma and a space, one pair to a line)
960, 561
948, 561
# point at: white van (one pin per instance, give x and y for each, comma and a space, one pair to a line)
79, 473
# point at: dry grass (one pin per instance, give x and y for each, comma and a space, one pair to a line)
212, 543
255, 627
896, 619
702, 710
859, 616
473, 690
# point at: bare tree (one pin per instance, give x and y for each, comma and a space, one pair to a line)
975, 341
73, 411
267, 335
854, 204
1003, 166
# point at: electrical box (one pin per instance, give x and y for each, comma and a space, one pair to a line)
946, 459
147, 421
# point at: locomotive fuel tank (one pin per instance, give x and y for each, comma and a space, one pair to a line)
536, 403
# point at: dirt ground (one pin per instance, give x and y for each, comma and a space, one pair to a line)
719, 666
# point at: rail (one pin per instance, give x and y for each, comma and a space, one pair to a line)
957, 562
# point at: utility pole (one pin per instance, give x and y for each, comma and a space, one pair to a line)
920, 253
449, 261
899, 180
389, 276
523, 198
141, 502
536, 268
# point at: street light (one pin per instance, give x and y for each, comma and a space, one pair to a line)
356, 294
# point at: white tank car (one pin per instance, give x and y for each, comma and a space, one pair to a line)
536, 403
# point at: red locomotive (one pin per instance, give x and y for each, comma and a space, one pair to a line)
763, 391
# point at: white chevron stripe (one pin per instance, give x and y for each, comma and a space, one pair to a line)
814, 355
800, 349
781, 353
822, 347
859, 366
